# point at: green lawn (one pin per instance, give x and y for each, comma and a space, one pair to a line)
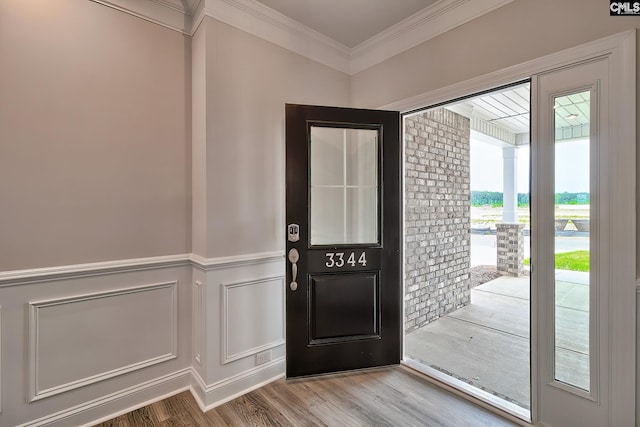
576, 261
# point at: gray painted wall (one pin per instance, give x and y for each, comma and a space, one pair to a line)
94, 155
248, 82
518, 32
96, 166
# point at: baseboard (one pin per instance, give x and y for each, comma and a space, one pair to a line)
218, 393
108, 407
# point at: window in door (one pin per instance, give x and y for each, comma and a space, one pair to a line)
572, 238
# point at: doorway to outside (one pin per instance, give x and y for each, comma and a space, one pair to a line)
467, 244
467, 240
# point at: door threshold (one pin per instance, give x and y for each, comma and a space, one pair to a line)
506, 409
341, 373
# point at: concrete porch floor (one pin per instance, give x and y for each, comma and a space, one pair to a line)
486, 344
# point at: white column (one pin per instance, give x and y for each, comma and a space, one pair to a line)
510, 184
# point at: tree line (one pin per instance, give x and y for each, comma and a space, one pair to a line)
494, 198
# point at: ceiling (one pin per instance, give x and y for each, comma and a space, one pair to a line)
346, 35
504, 115
349, 22
508, 108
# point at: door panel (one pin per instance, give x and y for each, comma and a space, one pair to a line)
572, 154
352, 316
344, 200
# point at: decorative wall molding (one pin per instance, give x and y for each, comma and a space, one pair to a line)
426, 24
57, 273
261, 21
220, 392
48, 274
208, 264
167, 13
197, 15
198, 322
253, 318
66, 416
37, 391
0, 359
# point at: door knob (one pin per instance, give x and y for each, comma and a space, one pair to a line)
294, 256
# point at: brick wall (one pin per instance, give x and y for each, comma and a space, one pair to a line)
437, 227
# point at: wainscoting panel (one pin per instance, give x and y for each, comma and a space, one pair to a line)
242, 316
252, 317
0, 359
83, 342
80, 340
637, 352
197, 322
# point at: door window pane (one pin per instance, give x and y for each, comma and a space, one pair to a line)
572, 238
327, 215
327, 157
362, 219
362, 158
344, 186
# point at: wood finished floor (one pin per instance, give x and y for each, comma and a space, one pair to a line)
381, 397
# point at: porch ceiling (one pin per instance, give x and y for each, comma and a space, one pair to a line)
508, 109
495, 113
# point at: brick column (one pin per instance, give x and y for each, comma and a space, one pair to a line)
510, 240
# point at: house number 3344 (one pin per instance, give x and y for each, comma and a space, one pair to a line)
338, 260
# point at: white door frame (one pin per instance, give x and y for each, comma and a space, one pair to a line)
620, 51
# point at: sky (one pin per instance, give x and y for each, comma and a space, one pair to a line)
572, 171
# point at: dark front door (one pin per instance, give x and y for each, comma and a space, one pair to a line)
343, 203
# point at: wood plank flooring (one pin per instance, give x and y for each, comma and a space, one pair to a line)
382, 397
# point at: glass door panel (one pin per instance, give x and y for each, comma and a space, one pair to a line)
344, 186
572, 238
572, 256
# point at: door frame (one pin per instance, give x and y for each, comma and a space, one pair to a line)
620, 51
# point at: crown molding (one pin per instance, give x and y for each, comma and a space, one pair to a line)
264, 22
259, 20
170, 14
424, 25
190, 5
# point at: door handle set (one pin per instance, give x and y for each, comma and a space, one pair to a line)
293, 235
294, 256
